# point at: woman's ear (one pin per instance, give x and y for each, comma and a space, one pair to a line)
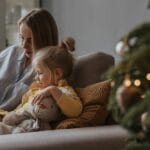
59, 73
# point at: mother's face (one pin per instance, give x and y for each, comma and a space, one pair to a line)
26, 39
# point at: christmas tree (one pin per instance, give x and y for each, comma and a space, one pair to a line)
130, 94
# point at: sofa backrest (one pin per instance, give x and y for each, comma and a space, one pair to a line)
86, 79
89, 68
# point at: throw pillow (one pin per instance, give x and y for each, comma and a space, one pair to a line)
95, 94
95, 99
92, 116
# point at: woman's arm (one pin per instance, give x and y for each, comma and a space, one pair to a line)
14, 79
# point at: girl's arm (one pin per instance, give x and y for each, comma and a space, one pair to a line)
66, 98
68, 101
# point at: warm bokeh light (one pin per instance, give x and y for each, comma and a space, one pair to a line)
137, 82
112, 83
127, 82
148, 76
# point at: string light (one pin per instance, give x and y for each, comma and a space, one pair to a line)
112, 83
148, 76
127, 82
137, 82
143, 96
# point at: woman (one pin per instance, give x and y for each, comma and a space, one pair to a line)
50, 96
37, 29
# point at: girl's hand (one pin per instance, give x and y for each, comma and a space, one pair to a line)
41, 95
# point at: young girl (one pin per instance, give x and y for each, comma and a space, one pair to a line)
52, 65
57, 63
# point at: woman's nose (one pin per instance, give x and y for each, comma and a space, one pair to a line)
24, 44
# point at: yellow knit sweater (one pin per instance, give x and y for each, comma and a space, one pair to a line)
69, 103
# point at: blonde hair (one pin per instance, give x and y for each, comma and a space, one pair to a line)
43, 26
57, 56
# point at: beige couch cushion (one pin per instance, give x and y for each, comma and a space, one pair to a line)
89, 68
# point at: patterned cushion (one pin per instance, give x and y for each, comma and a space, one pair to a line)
95, 94
95, 99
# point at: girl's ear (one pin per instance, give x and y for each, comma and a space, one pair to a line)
59, 73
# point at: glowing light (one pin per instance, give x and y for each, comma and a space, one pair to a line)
112, 83
137, 82
143, 96
127, 82
148, 76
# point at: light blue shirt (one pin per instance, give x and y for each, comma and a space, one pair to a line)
14, 77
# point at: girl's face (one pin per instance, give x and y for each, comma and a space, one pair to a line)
26, 39
45, 77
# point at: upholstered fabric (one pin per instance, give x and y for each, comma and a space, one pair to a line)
95, 99
95, 93
89, 68
90, 138
95, 138
92, 115
91, 89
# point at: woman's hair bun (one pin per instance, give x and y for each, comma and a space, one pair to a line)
68, 43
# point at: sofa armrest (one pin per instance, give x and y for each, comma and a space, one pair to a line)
95, 138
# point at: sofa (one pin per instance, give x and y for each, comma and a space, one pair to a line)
91, 130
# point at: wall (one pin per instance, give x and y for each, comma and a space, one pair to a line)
2, 24
97, 24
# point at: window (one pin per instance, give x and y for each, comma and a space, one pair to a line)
14, 10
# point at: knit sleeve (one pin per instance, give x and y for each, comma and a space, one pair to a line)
69, 103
